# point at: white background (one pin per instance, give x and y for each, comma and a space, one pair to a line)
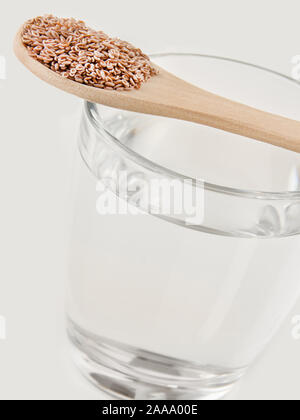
38, 126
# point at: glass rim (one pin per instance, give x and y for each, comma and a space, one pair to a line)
117, 145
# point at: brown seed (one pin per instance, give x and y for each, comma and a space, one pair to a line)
92, 57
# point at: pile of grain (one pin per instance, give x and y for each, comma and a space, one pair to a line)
79, 53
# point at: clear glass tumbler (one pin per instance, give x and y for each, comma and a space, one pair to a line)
174, 302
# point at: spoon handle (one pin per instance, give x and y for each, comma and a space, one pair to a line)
179, 99
234, 117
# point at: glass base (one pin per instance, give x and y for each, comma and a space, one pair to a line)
126, 372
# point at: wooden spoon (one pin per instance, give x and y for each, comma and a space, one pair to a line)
170, 96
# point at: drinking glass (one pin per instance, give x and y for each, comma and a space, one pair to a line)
185, 241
